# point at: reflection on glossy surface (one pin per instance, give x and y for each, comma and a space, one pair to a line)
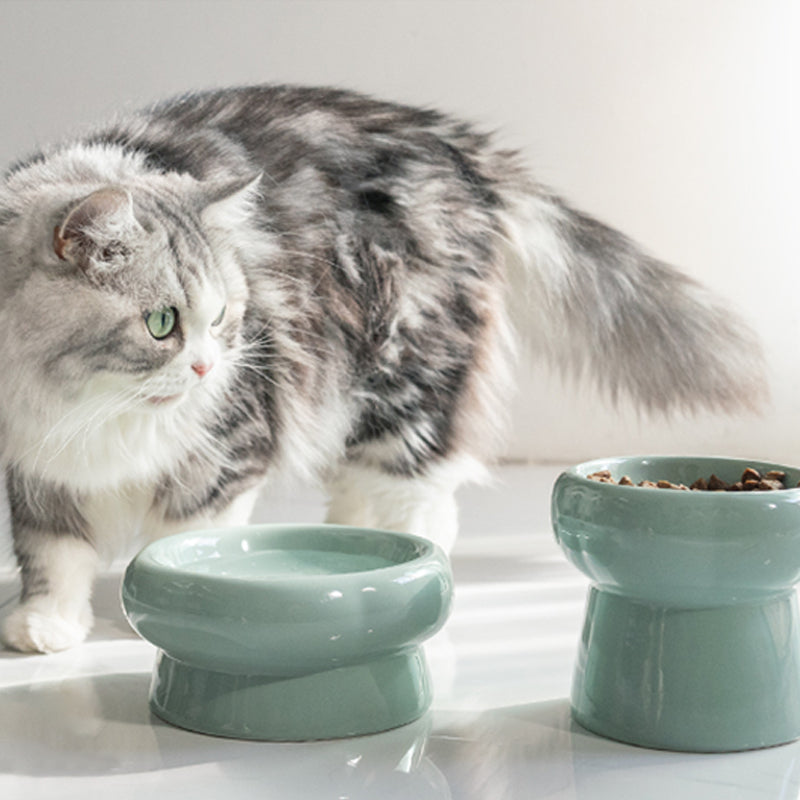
97, 730
75, 725
266, 564
537, 751
99, 725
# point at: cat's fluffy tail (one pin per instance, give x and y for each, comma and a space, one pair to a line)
593, 303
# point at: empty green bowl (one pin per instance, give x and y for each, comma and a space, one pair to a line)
289, 633
692, 634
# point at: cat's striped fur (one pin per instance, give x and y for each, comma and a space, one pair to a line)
340, 268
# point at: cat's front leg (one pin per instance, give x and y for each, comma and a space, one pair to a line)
367, 496
57, 562
55, 611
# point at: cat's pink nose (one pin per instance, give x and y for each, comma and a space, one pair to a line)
202, 367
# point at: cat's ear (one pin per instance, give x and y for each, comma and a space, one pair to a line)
94, 233
227, 204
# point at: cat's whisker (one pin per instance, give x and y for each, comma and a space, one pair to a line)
263, 344
112, 407
60, 428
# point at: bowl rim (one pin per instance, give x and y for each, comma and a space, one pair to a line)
222, 622
579, 472
147, 558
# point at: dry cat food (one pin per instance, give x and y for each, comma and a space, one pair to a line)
751, 481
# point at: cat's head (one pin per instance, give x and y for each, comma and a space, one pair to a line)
127, 296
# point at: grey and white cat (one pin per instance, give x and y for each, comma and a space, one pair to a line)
241, 283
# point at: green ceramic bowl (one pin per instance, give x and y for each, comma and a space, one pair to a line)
692, 634
289, 632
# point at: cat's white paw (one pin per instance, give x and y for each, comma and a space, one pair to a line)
32, 628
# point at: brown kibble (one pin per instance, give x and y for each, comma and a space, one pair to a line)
716, 484
776, 475
751, 481
750, 474
603, 476
671, 485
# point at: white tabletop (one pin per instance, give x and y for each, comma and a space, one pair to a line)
77, 725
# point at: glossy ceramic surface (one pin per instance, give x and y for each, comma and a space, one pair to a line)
692, 636
289, 632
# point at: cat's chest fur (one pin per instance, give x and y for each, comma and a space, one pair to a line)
90, 449
119, 520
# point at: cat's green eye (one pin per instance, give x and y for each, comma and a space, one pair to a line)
218, 321
161, 323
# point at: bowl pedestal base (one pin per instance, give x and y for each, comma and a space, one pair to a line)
354, 700
703, 678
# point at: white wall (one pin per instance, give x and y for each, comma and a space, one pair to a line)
674, 120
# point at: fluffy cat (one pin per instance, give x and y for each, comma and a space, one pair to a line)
245, 282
